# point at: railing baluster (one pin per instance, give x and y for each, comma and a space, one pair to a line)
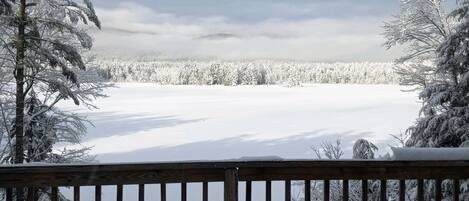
345, 190
76, 193
205, 191
163, 191
9, 194
365, 190
287, 190
54, 193
438, 190
383, 192
29, 196
420, 190
456, 189
141, 192
231, 185
401, 190
119, 192
307, 190
31, 193
268, 190
183, 191
36, 194
326, 190
97, 193
19, 193
248, 190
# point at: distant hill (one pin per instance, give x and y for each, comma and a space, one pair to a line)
218, 36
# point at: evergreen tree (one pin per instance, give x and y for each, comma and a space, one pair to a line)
445, 112
41, 43
41, 47
364, 149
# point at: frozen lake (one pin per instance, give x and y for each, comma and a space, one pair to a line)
148, 122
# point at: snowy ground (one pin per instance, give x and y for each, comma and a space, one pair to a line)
147, 122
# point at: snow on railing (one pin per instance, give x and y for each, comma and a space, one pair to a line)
413, 154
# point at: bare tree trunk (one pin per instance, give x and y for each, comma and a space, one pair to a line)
19, 75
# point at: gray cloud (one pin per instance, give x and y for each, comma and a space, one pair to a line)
136, 29
259, 10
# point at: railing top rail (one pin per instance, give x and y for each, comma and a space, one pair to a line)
224, 164
199, 171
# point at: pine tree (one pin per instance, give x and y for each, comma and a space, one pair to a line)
42, 41
445, 111
437, 64
41, 47
364, 149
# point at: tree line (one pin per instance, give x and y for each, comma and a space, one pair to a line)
232, 73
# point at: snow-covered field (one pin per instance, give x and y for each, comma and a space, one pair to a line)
148, 122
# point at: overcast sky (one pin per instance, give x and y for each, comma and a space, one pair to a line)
317, 30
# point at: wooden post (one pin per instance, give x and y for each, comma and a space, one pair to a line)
268, 190
438, 190
420, 190
383, 192
32, 195
345, 190
456, 190
183, 191
326, 190
231, 185
163, 191
97, 193
401, 190
9, 194
76, 193
120, 192
307, 190
248, 190
287, 190
141, 192
54, 193
205, 191
364, 190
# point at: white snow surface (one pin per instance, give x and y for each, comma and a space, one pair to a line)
149, 122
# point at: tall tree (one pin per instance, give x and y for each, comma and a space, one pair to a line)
445, 112
435, 63
19, 75
41, 48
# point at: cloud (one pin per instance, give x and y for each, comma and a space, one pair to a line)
259, 10
133, 29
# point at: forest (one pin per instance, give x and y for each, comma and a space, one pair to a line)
232, 73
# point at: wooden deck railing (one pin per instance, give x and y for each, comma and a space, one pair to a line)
231, 172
